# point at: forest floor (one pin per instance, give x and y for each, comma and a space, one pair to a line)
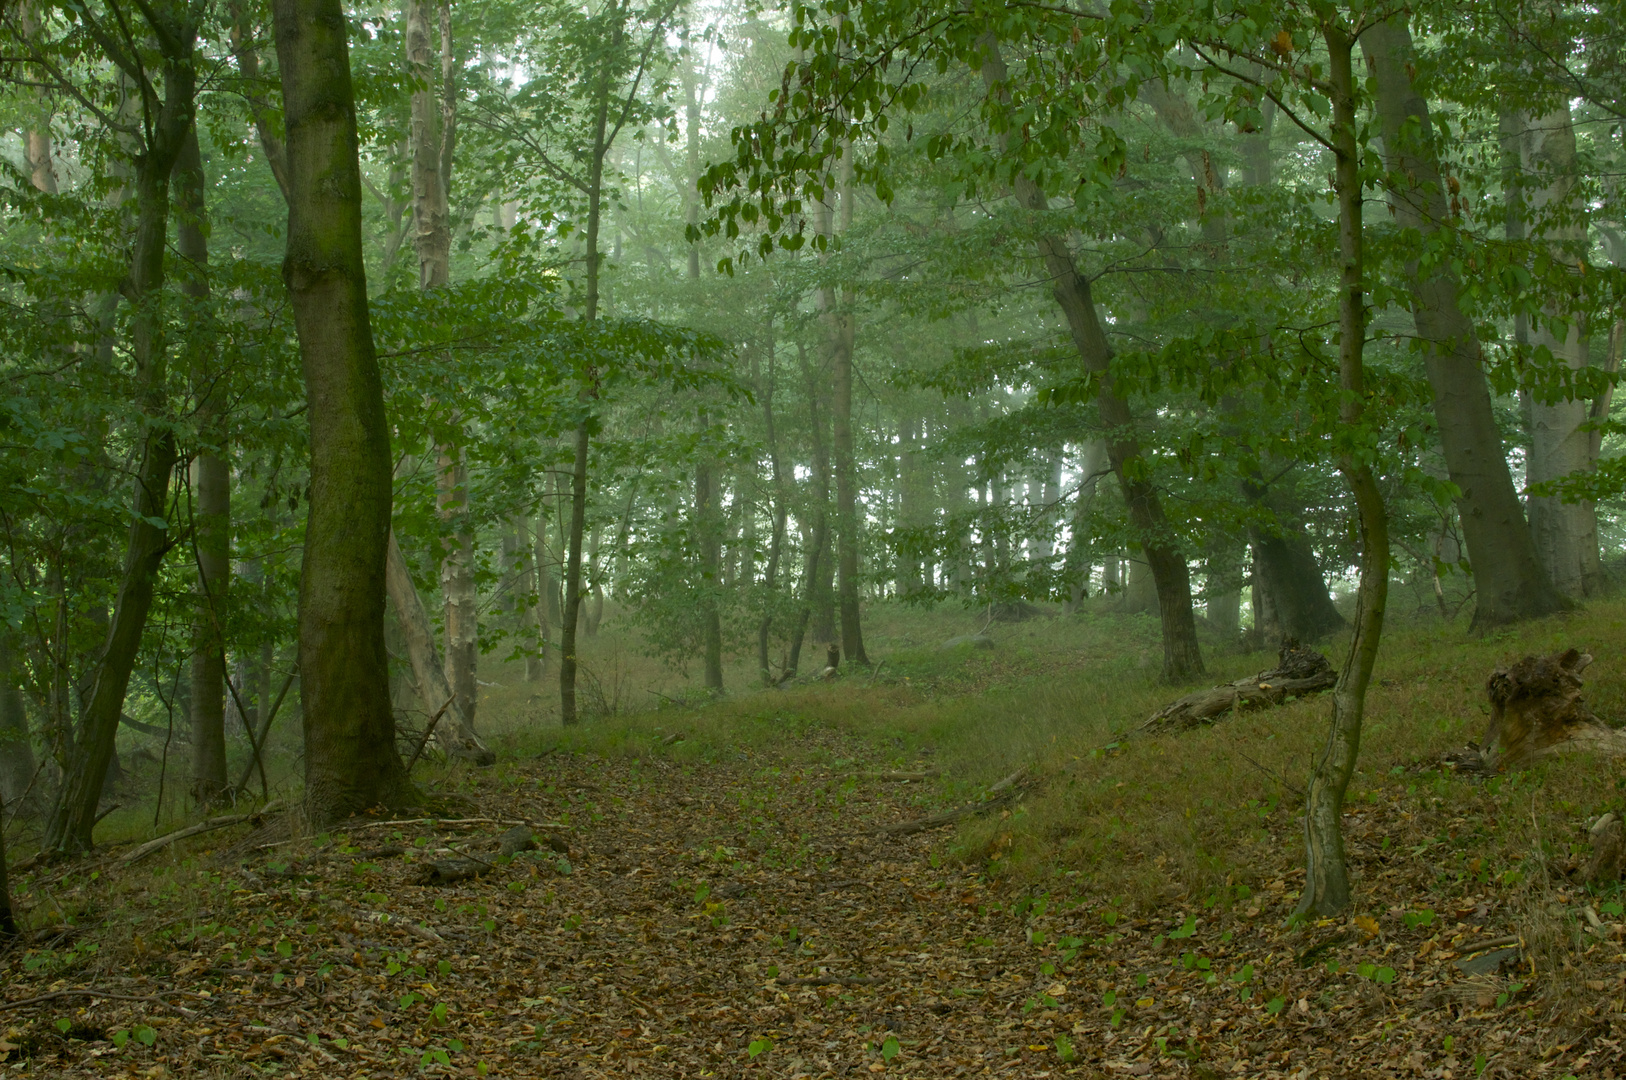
713, 896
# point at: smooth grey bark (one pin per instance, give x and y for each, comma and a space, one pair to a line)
211, 492
1508, 577
1326, 877
816, 568
175, 33
433, 118
1565, 533
455, 735
1182, 654
350, 757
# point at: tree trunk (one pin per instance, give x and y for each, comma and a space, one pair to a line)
781, 514
1326, 877
350, 757
454, 734
16, 748
529, 601
8, 918
211, 483
75, 813
1509, 581
1092, 466
1566, 534
705, 514
1222, 589
1285, 569
1182, 655
431, 133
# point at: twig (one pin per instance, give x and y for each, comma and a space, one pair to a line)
1282, 780
91, 991
828, 980
1490, 943
255, 744
452, 821
430, 730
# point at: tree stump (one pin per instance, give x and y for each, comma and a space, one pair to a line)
1537, 710
1298, 671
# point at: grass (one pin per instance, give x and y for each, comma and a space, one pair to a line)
1148, 818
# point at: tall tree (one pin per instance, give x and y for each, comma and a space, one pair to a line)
350, 756
211, 489
166, 82
433, 136
1509, 581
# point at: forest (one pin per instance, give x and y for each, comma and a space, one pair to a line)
650, 537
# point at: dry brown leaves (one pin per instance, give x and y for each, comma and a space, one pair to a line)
742, 918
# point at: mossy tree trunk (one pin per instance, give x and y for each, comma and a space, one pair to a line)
350, 757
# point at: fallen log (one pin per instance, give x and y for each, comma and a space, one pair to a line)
1298, 671
201, 827
1537, 711
997, 795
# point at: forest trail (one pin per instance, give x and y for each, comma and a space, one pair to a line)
743, 917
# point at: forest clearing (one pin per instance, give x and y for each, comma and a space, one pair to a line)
712, 892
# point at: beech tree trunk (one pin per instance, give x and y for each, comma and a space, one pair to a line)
454, 734
1326, 876
350, 757
1566, 534
781, 514
1508, 577
432, 119
1182, 655
211, 485
74, 815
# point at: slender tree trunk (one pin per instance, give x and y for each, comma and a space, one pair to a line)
16, 749
8, 918
530, 601
1509, 581
74, 816
1092, 466
1326, 879
432, 119
1565, 533
211, 482
781, 512
1182, 655
350, 757
705, 514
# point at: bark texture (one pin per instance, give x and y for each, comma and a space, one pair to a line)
350, 757
1537, 710
1508, 577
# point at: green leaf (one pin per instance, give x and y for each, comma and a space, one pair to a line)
889, 1049
758, 1047
1064, 1048
1275, 1004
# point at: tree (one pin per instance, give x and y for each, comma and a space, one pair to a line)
350, 756
1509, 580
166, 121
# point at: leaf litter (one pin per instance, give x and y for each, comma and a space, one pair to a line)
749, 916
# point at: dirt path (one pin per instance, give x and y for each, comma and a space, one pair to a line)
741, 919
